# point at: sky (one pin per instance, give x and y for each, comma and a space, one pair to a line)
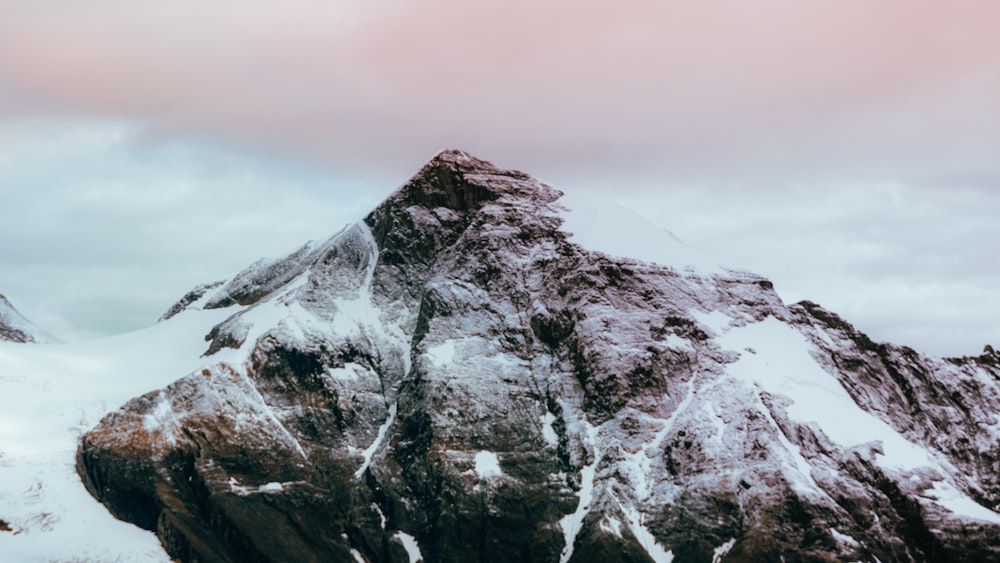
846, 149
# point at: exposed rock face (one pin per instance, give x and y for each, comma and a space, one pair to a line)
454, 379
190, 297
15, 328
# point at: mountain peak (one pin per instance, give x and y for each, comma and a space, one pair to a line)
457, 180
459, 156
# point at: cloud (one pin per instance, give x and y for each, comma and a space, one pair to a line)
844, 148
907, 264
676, 87
104, 229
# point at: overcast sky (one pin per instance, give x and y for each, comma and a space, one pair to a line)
845, 148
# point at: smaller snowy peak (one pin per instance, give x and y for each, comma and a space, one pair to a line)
257, 281
263, 277
190, 298
15, 328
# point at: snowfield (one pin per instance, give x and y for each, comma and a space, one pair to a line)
605, 226
49, 395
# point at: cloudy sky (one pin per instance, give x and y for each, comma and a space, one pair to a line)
845, 148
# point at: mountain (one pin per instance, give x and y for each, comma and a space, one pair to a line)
480, 372
15, 328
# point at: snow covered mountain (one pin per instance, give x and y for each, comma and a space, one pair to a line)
15, 328
479, 371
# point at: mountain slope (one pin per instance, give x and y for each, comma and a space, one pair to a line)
49, 396
455, 378
15, 328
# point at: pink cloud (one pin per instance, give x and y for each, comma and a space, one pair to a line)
571, 79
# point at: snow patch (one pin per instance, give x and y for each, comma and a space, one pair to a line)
162, 418
349, 372
487, 465
548, 432
718, 424
639, 465
783, 366
236, 487
801, 472
723, 550
611, 526
572, 523
444, 353
370, 450
636, 523
844, 539
272, 487
677, 342
410, 545
717, 321
381, 515
945, 494
608, 227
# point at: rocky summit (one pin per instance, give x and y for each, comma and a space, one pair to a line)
455, 378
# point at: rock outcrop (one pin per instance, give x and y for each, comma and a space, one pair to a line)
455, 379
15, 328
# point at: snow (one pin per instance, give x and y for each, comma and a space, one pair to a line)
635, 520
716, 321
945, 494
639, 465
255, 409
445, 213
723, 550
801, 472
844, 539
358, 312
383, 431
242, 490
487, 465
444, 353
381, 515
611, 526
272, 487
12, 318
718, 424
548, 432
50, 395
572, 523
605, 226
161, 418
410, 545
349, 372
260, 318
783, 366
677, 342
